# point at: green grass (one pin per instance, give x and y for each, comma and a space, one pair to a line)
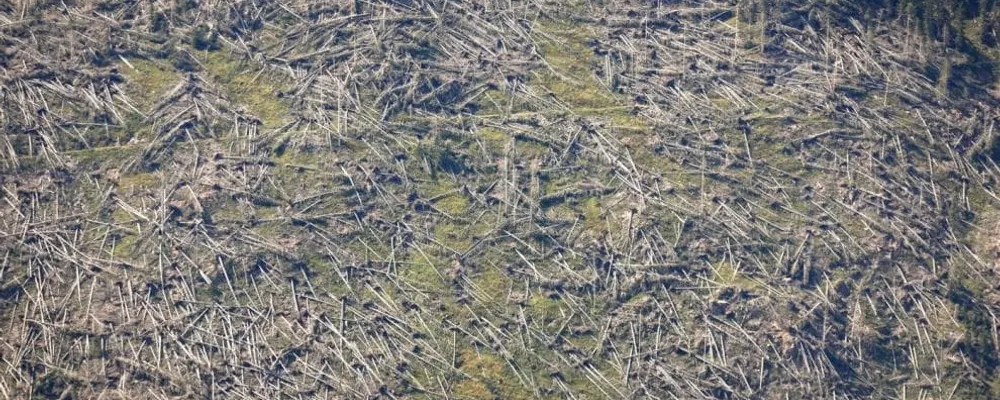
972, 30
639, 143
458, 235
472, 389
982, 239
126, 246
725, 274
592, 214
493, 283
495, 140
148, 81
247, 85
544, 308
492, 377
453, 204
422, 270
104, 156
568, 76
570, 79
142, 180
500, 102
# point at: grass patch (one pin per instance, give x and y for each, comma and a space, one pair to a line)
493, 283
249, 86
139, 181
421, 270
472, 389
103, 156
725, 274
500, 102
528, 150
774, 152
592, 214
575, 93
126, 246
571, 79
561, 212
973, 32
228, 210
148, 81
495, 139
544, 308
493, 379
454, 204
459, 236
621, 119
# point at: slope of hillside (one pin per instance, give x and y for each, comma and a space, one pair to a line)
499, 199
